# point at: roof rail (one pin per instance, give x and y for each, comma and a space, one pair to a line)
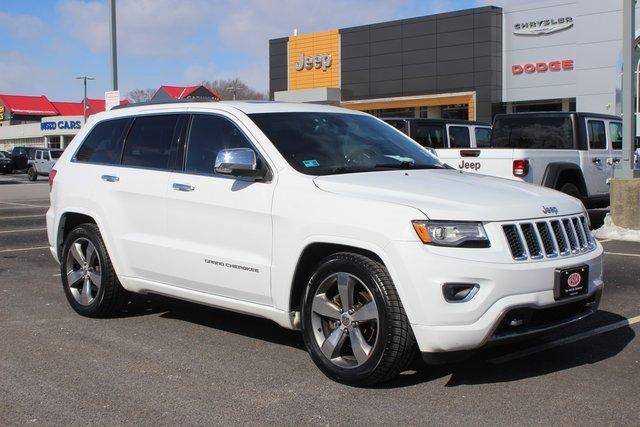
166, 101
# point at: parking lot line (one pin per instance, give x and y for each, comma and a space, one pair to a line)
621, 254
35, 248
563, 341
21, 231
24, 204
21, 216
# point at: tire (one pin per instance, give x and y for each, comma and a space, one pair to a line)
388, 344
33, 175
571, 190
103, 296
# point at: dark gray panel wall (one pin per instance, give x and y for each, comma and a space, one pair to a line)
277, 65
449, 52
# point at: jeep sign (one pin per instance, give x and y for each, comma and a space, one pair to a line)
319, 62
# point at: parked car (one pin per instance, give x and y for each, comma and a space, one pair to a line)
321, 219
571, 152
20, 157
440, 134
42, 163
5, 163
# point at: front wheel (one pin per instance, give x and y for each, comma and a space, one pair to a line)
353, 323
571, 190
32, 174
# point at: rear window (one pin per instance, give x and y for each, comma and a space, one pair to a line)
596, 134
459, 137
149, 141
533, 132
104, 143
429, 135
615, 130
483, 137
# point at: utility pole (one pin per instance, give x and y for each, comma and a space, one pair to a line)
84, 99
629, 66
114, 45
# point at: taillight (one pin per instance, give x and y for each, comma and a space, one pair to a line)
52, 176
520, 167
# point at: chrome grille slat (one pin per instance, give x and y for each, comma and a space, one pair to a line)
540, 239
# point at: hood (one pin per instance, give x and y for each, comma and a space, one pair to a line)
453, 195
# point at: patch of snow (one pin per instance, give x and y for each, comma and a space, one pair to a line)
611, 231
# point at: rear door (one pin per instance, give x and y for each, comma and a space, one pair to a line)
47, 163
220, 227
614, 136
596, 169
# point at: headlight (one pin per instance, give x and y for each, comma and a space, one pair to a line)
445, 233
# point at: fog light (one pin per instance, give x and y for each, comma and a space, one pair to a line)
459, 292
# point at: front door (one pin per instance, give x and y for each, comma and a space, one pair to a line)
220, 227
596, 170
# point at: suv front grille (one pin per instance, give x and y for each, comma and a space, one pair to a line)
549, 238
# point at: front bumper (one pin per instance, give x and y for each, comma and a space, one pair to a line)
441, 326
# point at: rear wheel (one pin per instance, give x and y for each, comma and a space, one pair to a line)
571, 190
32, 174
89, 280
353, 323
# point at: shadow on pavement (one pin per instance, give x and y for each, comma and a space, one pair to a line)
479, 368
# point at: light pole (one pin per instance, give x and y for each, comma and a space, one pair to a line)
84, 99
114, 45
233, 88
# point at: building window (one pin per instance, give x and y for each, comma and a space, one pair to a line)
456, 111
394, 112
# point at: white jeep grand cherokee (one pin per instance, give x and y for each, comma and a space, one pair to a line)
320, 219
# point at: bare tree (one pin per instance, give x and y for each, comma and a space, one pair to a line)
227, 88
141, 95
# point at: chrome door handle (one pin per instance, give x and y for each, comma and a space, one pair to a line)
183, 187
596, 161
110, 178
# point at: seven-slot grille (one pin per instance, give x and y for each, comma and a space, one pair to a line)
538, 239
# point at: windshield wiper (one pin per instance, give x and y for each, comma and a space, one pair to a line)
406, 165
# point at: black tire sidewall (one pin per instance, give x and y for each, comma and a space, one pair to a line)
32, 174
328, 267
92, 309
571, 190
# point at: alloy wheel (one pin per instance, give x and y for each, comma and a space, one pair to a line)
84, 271
345, 320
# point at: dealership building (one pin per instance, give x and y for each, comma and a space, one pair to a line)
471, 64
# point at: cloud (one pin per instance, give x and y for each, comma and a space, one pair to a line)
21, 27
21, 76
153, 28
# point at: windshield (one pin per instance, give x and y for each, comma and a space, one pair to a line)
331, 143
2, 155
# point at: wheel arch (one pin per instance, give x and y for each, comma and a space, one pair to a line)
309, 258
558, 173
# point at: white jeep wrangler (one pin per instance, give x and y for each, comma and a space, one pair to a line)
320, 219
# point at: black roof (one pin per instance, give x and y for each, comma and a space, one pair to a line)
438, 121
579, 114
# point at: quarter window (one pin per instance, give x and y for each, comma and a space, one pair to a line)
615, 131
459, 137
596, 135
149, 141
208, 135
483, 137
429, 135
104, 143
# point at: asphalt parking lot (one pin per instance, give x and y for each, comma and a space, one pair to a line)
170, 362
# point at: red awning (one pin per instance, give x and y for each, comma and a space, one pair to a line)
28, 105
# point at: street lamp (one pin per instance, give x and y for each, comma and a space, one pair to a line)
234, 88
84, 100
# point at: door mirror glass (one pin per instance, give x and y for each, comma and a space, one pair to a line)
237, 162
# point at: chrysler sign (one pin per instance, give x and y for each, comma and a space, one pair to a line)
542, 26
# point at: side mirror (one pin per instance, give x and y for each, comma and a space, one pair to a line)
237, 162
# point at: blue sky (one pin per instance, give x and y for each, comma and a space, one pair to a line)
46, 43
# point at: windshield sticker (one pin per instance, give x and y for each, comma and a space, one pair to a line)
311, 163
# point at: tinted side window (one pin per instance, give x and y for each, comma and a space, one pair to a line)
208, 135
483, 137
596, 135
533, 132
104, 143
429, 135
148, 143
459, 137
615, 131
401, 125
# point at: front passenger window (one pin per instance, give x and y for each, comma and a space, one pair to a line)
209, 134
